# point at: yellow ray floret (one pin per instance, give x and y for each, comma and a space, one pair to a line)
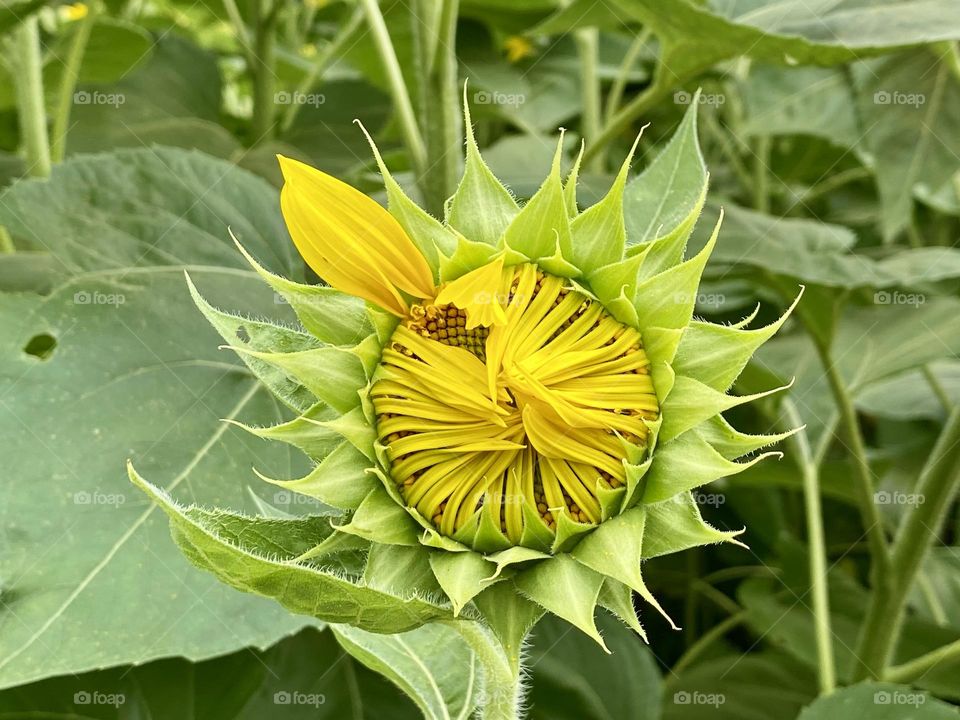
350, 241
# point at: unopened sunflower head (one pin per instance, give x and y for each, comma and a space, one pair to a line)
516, 398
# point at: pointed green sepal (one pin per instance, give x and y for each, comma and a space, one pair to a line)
688, 462
352, 426
332, 316
536, 535
310, 432
340, 480
542, 224
401, 569
570, 184
618, 599
380, 519
569, 532
668, 299
565, 588
598, 235
733, 444
462, 575
467, 256
676, 525
481, 208
617, 279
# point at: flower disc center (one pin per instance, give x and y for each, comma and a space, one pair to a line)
509, 401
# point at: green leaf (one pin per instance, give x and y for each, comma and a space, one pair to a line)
380, 519
910, 109
565, 588
132, 370
431, 664
594, 686
250, 560
879, 701
662, 204
114, 49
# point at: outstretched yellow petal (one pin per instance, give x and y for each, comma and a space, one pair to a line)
350, 240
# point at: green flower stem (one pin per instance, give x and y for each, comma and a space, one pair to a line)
440, 108
502, 689
641, 104
587, 40
707, 639
808, 465
938, 486
398, 88
909, 671
68, 83
938, 389
761, 172
615, 96
323, 60
30, 101
264, 21
869, 512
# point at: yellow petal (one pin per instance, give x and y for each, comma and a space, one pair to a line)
481, 292
350, 240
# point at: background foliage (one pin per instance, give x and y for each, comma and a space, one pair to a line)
831, 133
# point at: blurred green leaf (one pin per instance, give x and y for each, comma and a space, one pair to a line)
879, 701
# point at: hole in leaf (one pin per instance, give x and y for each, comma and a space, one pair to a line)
41, 346
243, 334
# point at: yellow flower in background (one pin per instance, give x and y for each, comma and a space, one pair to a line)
77, 11
518, 47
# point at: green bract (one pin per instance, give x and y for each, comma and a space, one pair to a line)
372, 562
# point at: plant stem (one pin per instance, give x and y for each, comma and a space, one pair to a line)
68, 83
826, 665
615, 96
264, 20
30, 101
587, 40
909, 671
936, 489
869, 513
398, 88
502, 689
642, 103
707, 639
329, 53
440, 106
761, 184
937, 387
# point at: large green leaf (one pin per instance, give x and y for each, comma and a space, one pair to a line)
431, 664
910, 109
879, 701
306, 677
573, 679
115, 363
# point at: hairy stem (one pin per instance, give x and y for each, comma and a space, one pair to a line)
440, 109
615, 96
502, 689
68, 83
262, 73
30, 103
937, 488
587, 40
398, 87
826, 664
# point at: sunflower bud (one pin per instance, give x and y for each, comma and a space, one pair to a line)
509, 408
